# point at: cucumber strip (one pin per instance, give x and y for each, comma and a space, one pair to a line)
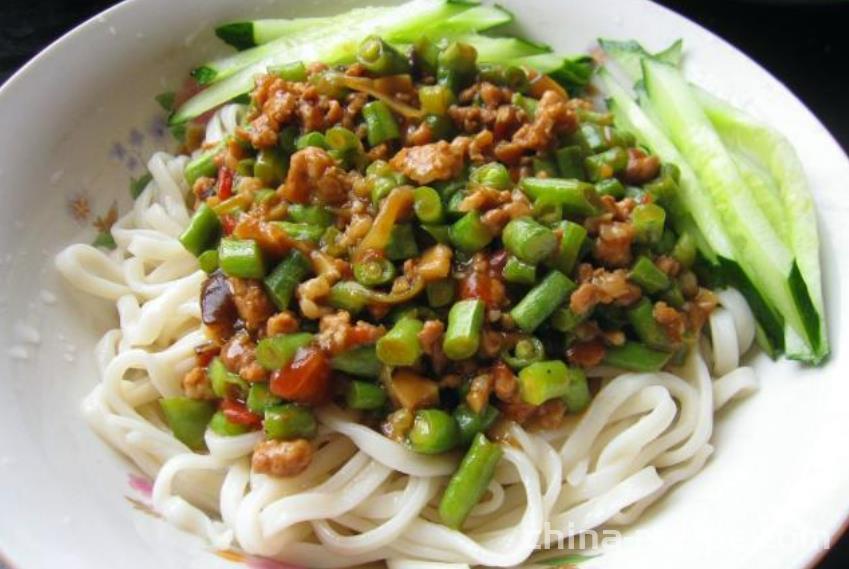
574, 70
502, 50
760, 248
776, 155
333, 45
765, 191
244, 35
227, 66
627, 54
474, 19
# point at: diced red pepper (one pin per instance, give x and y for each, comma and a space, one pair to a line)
225, 183
306, 379
483, 286
237, 413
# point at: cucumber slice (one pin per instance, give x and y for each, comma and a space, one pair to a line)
761, 250
244, 35
776, 155
628, 54
765, 191
502, 50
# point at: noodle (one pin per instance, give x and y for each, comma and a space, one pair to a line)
365, 497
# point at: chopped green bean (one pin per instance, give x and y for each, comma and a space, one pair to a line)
308, 139
427, 205
564, 320
527, 351
203, 230
575, 197
364, 396
462, 336
203, 165
294, 71
309, 214
347, 295
469, 234
684, 250
400, 346
402, 243
289, 421
275, 352
648, 276
374, 272
542, 300
440, 293
281, 283
269, 167
519, 272
568, 251
380, 58
641, 318
605, 164
635, 356
434, 431
380, 123
648, 220
469, 483
435, 99
241, 258
208, 261
456, 65
471, 423
611, 187
570, 162
301, 231
361, 361
491, 175
546, 380
188, 419
528, 240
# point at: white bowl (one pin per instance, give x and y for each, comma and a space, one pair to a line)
80, 119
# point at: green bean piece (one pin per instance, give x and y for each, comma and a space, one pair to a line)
208, 261
646, 274
289, 421
380, 58
269, 167
275, 352
435, 99
361, 361
611, 187
329, 83
380, 123
374, 272
603, 119
439, 233
427, 205
204, 228
544, 167
426, 55
663, 190
456, 65
673, 296
245, 167
221, 425
281, 283
570, 162
510, 76
590, 137
542, 300
441, 127
527, 104
400, 346
463, 334
491, 175
310, 214
224, 382
519, 272
294, 71
347, 295
684, 250
568, 252
528, 240
469, 483
526, 352
364, 396
635, 356
241, 258
648, 330
452, 207
260, 397
648, 220
565, 320
546, 380
469, 234
615, 137
301, 231
188, 419
402, 243
344, 145
440, 293
575, 197
203, 165
287, 139
434, 432
666, 243
605, 164
471, 423
314, 138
